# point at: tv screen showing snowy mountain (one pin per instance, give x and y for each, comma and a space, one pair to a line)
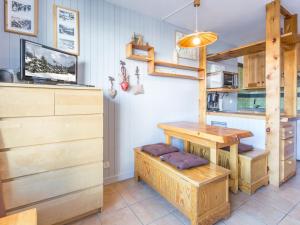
47, 63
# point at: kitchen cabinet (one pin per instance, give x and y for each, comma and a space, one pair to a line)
254, 71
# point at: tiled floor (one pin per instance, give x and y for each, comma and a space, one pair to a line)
132, 203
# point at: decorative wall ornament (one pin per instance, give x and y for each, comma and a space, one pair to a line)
139, 88
66, 29
137, 39
185, 53
21, 17
124, 78
112, 90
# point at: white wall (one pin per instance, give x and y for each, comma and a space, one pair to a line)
256, 126
104, 31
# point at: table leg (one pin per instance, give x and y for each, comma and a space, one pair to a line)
168, 139
214, 154
233, 161
186, 146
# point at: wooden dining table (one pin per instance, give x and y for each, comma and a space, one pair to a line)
212, 137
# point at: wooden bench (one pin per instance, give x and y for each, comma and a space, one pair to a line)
253, 166
200, 193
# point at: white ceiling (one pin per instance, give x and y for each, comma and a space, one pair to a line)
236, 21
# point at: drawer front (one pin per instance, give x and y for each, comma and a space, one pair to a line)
287, 148
287, 168
22, 102
41, 158
67, 207
287, 131
71, 102
20, 132
31, 189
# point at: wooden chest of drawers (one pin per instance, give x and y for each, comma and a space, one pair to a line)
287, 150
51, 154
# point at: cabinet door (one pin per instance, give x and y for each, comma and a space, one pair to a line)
254, 70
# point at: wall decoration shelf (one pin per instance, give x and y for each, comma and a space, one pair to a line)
152, 63
130, 52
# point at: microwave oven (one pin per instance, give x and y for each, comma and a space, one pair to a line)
222, 79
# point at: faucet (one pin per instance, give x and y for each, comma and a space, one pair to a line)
254, 103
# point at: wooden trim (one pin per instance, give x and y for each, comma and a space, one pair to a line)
177, 66
273, 72
36, 20
202, 86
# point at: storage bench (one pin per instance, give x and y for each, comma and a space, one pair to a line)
200, 193
253, 166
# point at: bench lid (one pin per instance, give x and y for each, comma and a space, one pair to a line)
197, 176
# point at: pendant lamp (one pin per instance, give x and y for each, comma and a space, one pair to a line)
197, 39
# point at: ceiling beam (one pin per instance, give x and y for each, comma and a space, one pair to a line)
255, 47
285, 12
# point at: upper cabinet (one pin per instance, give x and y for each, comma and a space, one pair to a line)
254, 71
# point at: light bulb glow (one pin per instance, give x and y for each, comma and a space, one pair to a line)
196, 41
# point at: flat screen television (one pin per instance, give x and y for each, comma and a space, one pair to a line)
40, 62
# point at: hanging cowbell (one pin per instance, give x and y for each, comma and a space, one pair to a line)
124, 77
112, 91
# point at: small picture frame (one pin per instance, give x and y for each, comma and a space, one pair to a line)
66, 29
185, 53
21, 17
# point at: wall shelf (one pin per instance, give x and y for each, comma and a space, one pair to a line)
177, 66
225, 90
163, 74
130, 52
150, 58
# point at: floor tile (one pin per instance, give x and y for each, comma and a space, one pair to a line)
237, 200
91, 220
112, 202
241, 218
151, 209
167, 220
120, 217
289, 221
137, 192
264, 213
182, 218
110, 188
295, 213
272, 198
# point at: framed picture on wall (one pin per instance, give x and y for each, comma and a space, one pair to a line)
185, 53
66, 29
21, 16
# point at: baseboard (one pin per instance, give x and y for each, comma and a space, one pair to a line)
119, 177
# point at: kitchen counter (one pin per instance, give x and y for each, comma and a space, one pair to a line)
252, 115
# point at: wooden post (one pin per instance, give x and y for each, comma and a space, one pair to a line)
273, 72
234, 167
168, 139
186, 146
202, 86
290, 69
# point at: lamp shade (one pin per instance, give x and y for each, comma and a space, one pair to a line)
198, 39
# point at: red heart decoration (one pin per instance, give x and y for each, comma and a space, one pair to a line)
124, 85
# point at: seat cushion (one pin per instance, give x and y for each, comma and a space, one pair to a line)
159, 149
182, 160
242, 148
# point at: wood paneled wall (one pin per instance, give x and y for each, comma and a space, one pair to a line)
129, 120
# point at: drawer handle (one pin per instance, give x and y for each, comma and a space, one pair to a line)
290, 132
290, 162
291, 142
